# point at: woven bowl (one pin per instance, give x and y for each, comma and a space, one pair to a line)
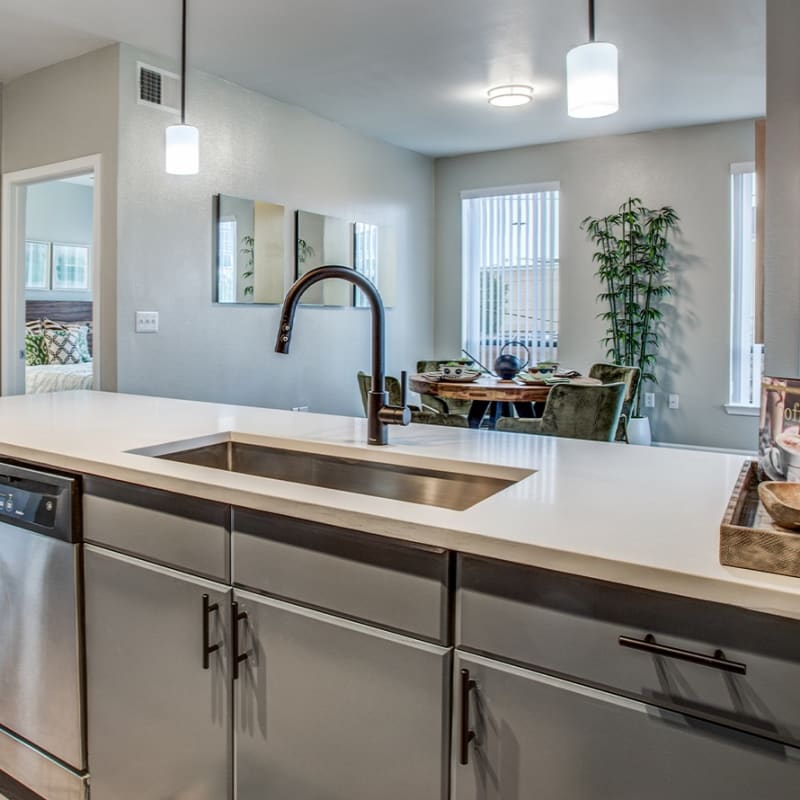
782, 502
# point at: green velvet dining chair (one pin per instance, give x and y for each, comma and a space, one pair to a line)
630, 376
425, 416
449, 406
576, 412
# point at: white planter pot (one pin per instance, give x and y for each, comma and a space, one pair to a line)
639, 431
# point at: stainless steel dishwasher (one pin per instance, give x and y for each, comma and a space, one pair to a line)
42, 718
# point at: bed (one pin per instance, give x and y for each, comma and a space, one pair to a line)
59, 377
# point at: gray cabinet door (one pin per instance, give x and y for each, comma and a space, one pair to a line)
549, 739
158, 723
329, 709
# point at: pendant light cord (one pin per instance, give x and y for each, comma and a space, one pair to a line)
591, 19
183, 63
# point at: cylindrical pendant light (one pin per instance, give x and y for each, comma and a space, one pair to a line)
592, 77
183, 141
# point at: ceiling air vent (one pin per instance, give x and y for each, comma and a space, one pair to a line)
158, 88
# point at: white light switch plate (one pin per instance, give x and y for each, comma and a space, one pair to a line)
674, 401
649, 400
147, 322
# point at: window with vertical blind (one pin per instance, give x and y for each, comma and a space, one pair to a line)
510, 264
747, 357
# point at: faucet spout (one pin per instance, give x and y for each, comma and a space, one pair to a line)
380, 414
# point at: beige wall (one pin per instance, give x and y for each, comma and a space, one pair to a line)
782, 206
64, 112
262, 149
688, 168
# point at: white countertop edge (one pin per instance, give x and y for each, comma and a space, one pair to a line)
740, 591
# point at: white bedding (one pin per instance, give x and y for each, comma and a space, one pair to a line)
58, 377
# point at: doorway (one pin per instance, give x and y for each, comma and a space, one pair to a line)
50, 292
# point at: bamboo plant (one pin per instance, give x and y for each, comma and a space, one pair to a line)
631, 257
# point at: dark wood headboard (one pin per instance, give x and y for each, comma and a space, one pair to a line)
59, 310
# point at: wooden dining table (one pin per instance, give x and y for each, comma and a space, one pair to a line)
487, 390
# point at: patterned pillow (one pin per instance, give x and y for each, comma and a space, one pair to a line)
63, 346
83, 340
81, 328
35, 350
35, 326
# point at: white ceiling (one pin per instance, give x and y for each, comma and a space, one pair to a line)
415, 72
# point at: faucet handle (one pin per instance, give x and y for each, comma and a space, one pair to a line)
404, 388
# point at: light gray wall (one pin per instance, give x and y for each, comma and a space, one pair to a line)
63, 112
62, 213
262, 149
782, 234
688, 168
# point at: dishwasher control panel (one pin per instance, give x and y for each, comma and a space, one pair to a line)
34, 507
40, 501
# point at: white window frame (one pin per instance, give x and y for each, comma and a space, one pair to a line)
746, 368
471, 276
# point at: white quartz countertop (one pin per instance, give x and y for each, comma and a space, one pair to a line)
645, 517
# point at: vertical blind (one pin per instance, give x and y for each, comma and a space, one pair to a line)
511, 263
746, 356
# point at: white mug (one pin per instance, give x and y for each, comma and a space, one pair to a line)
785, 462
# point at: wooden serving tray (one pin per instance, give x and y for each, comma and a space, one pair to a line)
748, 536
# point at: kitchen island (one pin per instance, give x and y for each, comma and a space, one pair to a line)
249, 637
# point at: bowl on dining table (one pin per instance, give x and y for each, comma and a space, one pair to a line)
455, 370
459, 375
543, 368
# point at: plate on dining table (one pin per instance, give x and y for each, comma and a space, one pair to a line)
464, 377
538, 379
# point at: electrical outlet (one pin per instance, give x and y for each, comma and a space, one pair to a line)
147, 322
649, 400
674, 401
301, 409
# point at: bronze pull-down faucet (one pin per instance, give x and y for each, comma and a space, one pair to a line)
379, 413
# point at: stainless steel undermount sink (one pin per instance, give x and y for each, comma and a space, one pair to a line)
330, 468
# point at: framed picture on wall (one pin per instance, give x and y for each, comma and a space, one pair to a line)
37, 265
70, 267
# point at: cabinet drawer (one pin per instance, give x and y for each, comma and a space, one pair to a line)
172, 529
537, 737
393, 584
571, 626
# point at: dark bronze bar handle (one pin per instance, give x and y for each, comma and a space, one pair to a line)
717, 661
467, 735
236, 617
208, 649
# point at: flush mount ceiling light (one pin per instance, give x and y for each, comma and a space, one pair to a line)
513, 94
183, 141
592, 77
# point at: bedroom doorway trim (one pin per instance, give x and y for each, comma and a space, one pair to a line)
12, 281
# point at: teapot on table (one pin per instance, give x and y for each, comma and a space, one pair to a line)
507, 365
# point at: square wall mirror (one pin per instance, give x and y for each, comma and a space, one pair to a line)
324, 241
367, 248
250, 254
